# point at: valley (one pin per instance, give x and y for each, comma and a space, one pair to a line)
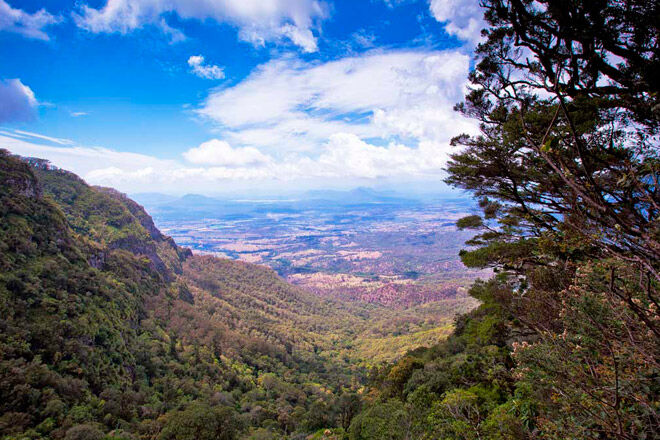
329, 220
126, 326
360, 245
394, 259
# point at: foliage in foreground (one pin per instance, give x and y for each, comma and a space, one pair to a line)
566, 344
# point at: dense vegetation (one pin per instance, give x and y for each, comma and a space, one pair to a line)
111, 331
566, 343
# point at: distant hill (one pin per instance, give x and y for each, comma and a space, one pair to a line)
195, 205
359, 195
152, 199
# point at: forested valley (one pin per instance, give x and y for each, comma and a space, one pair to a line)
110, 330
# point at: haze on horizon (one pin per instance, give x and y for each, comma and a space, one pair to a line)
228, 97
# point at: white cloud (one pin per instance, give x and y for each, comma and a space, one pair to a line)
258, 21
217, 152
463, 18
393, 3
380, 116
136, 172
78, 114
304, 38
79, 159
363, 39
203, 70
289, 105
344, 158
17, 101
26, 24
28, 134
346, 155
175, 35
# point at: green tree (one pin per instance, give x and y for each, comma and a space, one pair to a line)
348, 405
381, 421
318, 416
458, 416
566, 170
84, 432
201, 422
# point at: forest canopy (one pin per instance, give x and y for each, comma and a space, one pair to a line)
110, 330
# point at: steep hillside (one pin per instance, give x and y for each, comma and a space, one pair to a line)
71, 310
111, 329
109, 326
109, 218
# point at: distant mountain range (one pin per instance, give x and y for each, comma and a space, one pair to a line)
357, 195
191, 205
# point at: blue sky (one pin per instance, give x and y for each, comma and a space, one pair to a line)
217, 96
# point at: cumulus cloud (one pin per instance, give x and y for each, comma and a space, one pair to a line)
200, 68
258, 21
289, 105
214, 164
217, 152
26, 24
302, 37
381, 115
129, 171
462, 18
346, 155
17, 101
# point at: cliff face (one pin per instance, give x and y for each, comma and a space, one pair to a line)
80, 271
111, 220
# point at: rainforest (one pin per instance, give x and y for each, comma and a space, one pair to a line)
522, 305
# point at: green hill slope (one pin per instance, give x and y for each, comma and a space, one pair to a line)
108, 325
110, 329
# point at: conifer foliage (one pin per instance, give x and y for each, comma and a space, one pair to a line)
566, 343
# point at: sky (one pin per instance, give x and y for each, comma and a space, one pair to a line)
237, 96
